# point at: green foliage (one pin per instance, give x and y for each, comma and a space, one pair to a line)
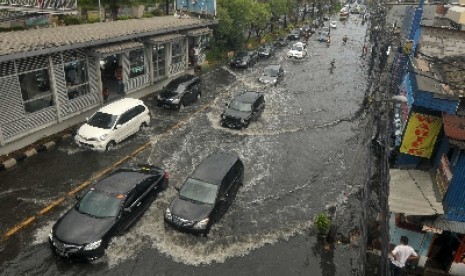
157, 12
147, 15
322, 223
16, 28
71, 20
125, 17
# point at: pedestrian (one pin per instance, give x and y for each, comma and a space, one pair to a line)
400, 255
105, 93
119, 79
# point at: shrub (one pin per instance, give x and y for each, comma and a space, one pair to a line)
322, 223
71, 20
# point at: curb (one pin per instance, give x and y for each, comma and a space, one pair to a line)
31, 152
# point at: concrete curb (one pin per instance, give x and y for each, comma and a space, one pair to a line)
7, 164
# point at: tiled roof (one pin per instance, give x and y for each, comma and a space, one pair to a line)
48, 40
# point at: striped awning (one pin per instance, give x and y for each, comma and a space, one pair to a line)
411, 192
199, 31
164, 38
115, 48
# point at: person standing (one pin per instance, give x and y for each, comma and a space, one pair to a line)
400, 255
119, 79
105, 93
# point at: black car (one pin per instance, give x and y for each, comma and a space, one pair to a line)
281, 42
243, 109
180, 92
244, 59
266, 51
295, 34
272, 74
108, 208
206, 193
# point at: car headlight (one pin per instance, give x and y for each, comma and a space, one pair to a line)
201, 224
274, 81
168, 215
242, 121
50, 235
93, 245
223, 116
243, 63
103, 137
175, 101
159, 97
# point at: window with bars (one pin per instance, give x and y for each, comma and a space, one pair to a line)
136, 63
177, 51
35, 89
77, 80
158, 60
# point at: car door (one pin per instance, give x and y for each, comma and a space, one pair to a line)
122, 129
258, 108
195, 89
189, 93
127, 216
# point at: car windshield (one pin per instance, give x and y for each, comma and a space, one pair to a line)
102, 120
98, 204
241, 55
269, 72
295, 32
240, 106
176, 89
198, 191
298, 48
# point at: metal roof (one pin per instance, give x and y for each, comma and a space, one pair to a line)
442, 223
164, 38
411, 192
117, 48
20, 44
197, 32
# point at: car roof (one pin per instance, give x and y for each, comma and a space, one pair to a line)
121, 106
247, 96
213, 168
273, 66
121, 182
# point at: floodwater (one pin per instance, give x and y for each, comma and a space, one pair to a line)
299, 159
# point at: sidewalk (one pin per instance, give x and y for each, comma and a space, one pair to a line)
42, 140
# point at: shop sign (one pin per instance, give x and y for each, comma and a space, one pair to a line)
420, 135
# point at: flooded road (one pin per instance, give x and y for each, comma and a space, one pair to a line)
298, 157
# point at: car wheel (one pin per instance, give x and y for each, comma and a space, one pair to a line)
111, 145
143, 126
181, 106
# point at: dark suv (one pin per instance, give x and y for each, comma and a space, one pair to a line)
206, 194
244, 59
244, 108
180, 92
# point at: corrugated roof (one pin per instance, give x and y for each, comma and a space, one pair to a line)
48, 40
442, 223
200, 31
164, 38
117, 47
411, 192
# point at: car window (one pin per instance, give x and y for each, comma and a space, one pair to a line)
240, 106
199, 191
102, 120
139, 109
124, 118
130, 199
99, 204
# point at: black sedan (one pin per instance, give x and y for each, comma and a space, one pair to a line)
244, 59
295, 34
108, 208
243, 109
281, 42
180, 91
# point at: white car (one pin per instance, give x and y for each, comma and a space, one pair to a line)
333, 24
112, 124
298, 50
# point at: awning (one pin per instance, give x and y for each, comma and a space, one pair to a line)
444, 224
164, 38
198, 32
411, 192
115, 48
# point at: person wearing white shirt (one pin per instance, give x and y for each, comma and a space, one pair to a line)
400, 255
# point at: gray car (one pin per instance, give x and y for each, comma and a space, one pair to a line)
272, 74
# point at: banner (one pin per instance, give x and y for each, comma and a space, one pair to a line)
420, 135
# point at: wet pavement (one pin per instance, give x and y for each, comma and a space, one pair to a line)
300, 158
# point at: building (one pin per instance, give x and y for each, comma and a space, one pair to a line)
427, 183
48, 76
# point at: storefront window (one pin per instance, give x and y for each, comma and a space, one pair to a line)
136, 60
77, 83
177, 52
158, 60
35, 90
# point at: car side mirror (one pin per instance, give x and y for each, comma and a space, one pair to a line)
226, 104
77, 196
177, 188
87, 119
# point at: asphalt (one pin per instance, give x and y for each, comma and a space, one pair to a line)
42, 140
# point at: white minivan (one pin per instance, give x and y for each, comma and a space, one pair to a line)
112, 124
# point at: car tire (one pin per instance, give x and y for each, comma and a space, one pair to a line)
143, 126
111, 145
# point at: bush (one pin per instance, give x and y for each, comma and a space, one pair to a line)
157, 12
322, 223
71, 20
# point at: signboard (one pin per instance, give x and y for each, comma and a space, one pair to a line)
197, 6
420, 135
